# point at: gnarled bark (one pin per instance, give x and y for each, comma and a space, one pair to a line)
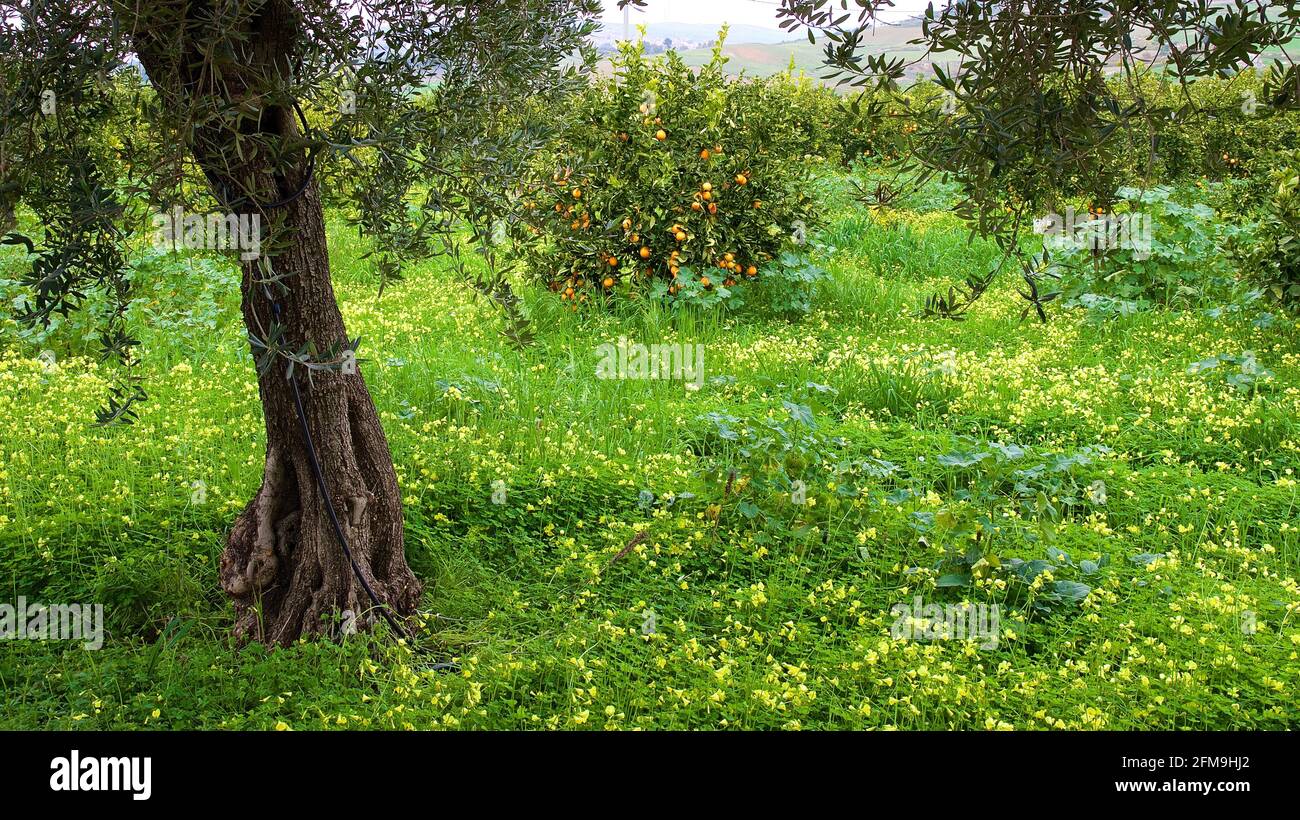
283, 565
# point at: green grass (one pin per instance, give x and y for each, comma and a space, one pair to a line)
767, 614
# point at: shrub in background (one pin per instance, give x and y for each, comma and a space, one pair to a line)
1270, 255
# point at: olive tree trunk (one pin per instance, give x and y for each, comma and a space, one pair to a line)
8, 202
284, 566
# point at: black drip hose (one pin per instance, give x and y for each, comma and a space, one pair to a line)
329, 504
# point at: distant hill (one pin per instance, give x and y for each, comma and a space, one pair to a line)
691, 34
760, 52
765, 59
756, 51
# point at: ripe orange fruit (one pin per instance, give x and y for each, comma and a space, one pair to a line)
741, 179
609, 282
751, 271
713, 207
645, 252
704, 154
613, 261
577, 193
730, 257
708, 186
627, 224
680, 236
706, 195
695, 206
704, 280
661, 135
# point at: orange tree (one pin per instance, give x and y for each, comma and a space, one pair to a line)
668, 182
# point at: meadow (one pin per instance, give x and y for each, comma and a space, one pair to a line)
623, 554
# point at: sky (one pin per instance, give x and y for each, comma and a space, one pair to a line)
736, 12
